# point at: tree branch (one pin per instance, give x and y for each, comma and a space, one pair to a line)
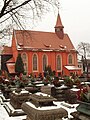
12, 9
6, 3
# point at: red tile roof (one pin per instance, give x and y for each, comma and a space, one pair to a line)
42, 40
7, 50
11, 67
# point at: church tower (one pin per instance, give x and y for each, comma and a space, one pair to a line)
59, 27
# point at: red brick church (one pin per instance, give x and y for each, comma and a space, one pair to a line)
39, 49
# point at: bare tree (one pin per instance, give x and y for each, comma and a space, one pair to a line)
15, 12
83, 49
84, 52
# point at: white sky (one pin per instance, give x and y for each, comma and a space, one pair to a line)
75, 16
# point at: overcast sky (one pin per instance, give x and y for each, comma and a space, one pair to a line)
75, 16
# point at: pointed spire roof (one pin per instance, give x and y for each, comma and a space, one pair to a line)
59, 22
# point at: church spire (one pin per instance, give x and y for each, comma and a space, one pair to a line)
59, 27
58, 22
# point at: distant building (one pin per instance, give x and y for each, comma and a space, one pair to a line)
80, 65
39, 49
87, 67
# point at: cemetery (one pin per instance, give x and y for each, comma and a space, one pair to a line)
40, 76
39, 98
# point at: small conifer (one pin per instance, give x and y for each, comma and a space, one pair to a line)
19, 65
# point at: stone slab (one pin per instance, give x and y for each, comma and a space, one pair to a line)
46, 114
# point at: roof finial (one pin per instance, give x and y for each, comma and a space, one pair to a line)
58, 6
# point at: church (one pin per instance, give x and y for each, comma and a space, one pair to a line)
39, 49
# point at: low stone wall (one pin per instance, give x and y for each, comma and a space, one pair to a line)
35, 114
16, 100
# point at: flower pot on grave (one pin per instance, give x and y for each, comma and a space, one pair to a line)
56, 83
68, 82
70, 85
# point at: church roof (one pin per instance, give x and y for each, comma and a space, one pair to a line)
41, 40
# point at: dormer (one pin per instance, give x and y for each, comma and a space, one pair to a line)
59, 27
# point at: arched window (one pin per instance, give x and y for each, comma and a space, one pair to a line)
58, 62
35, 62
70, 59
25, 61
44, 62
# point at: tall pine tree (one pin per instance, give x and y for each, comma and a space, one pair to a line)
19, 66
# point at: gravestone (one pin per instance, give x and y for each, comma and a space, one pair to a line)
42, 108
